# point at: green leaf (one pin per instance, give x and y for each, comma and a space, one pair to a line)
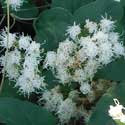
27, 11
8, 90
113, 71
71, 5
100, 115
50, 27
95, 10
50, 79
16, 112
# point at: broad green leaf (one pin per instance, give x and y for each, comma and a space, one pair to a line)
50, 79
113, 71
95, 10
100, 115
8, 90
71, 5
50, 27
16, 112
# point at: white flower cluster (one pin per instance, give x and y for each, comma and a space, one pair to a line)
67, 110
15, 4
116, 111
80, 56
22, 62
54, 101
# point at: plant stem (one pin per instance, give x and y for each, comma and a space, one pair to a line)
6, 53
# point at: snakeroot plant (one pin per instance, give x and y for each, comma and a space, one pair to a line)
62, 62
74, 65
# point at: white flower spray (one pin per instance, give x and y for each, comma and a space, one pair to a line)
23, 59
79, 57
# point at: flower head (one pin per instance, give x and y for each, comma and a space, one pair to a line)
15, 4
73, 31
116, 111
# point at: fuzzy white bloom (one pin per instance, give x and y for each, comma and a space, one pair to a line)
28, 85
3, 39
24, 42
90, 48
66, 111
73, 31
107, 25
15, 4
53, 100
116, 111
65, 49
91, 68
79, 75
91, 26
50, 60
118, 49
85, 88
113, 37
106, 53
63, 75
34, 49
100, 37
12, 63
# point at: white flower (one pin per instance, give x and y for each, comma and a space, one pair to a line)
73, 31
113, 37
91, 68
34, 49
63, 75
91, 26
106, 53
3, 39
29, 83
116, 111
15, 4
50, 60
24, 42
64, 51
12, 63
100, 37
85, 88
118, 49
107, 25
90, 49
52, 99
66, 111
79, 75
82, 55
